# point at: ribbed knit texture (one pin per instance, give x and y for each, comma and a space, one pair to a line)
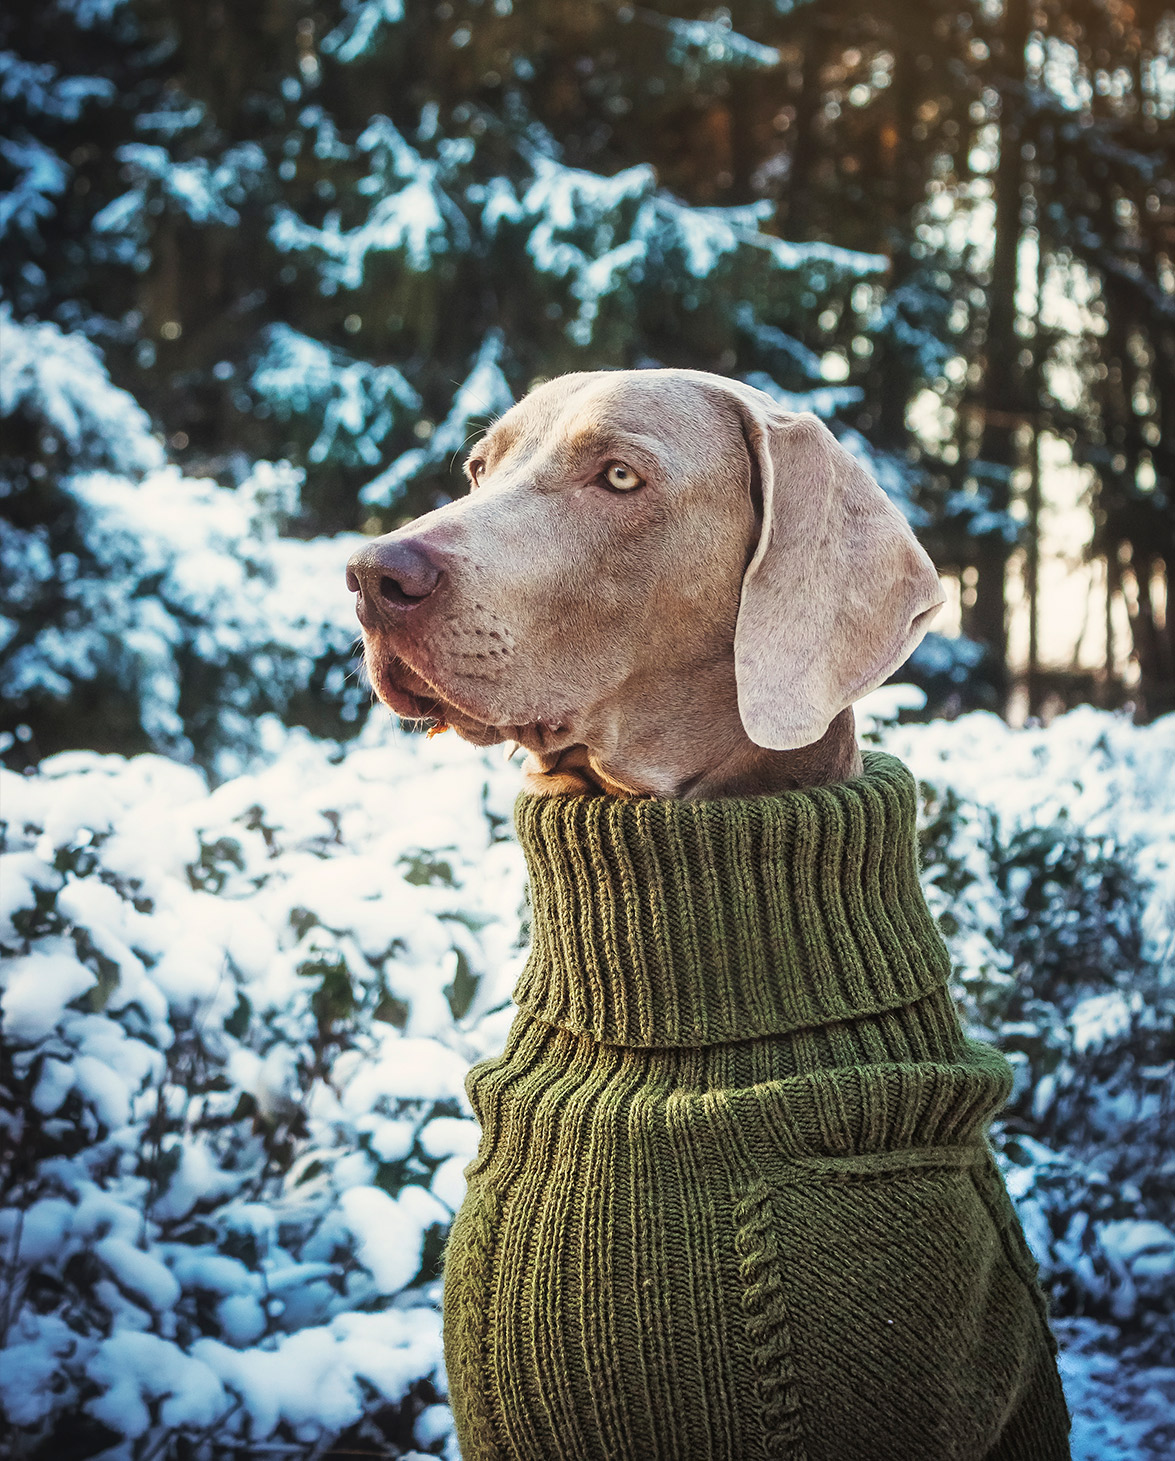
733, 1197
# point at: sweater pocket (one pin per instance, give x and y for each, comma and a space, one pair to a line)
884, 1312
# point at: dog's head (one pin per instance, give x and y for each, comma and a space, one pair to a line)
637, 546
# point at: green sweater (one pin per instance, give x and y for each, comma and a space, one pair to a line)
733, 1197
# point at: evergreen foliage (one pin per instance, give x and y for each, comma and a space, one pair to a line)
373, 239
344, 235
141, 609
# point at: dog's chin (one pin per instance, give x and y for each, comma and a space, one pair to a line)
412, 698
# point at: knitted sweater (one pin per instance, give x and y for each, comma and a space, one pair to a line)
733, 1197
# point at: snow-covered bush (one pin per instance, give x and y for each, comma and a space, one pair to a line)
140, 608
236, 1028
236, 1025
1050, 862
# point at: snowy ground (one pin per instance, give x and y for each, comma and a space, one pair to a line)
240, 1020
1121, 1411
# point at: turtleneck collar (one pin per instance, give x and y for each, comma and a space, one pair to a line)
674, 923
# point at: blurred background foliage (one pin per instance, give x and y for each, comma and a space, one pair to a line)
344, 234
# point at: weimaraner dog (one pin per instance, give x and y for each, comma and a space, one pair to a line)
733, 1196
661, 583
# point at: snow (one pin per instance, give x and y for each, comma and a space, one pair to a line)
448, 1136
826, 401
715, 42
359, 404
37, 989
1088, 769
196, 1177
605, 235
777, 343
132, 1370
169, 572
176, 570
883, 706
893, 473
53, 1085
388, 1235
348, 879
286, 1284
1128, 1240
485, 392
40, 88
448, 1182
406, 1068
200, 191
89, 13
1099, 1018
410, 214
311, 1381
138, 1273
41, 176
61, 376
600, 239
104, 1090
38, 1233
30, 1377
362, 27
1121, 1410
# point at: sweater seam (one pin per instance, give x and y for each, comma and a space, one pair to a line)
1025, 1272
767, 1320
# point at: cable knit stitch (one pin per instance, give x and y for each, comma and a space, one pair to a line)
733, 1197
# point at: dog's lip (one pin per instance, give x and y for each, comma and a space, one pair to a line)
414, 697
412, 707
409, 694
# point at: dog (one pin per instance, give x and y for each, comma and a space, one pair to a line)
733, 1196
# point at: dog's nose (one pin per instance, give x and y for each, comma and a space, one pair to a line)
392, 575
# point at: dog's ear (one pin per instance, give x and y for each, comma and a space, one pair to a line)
838, 591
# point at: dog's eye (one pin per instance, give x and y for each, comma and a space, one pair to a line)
475, 470
621, 477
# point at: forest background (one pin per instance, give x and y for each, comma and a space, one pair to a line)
294, 232
264, 270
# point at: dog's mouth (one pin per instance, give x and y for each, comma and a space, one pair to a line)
405, 691
413, 698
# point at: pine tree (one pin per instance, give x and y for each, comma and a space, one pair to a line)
978, 146
346, 246
357, 247
344, 237
1105, 183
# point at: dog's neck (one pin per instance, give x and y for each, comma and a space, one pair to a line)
736, 768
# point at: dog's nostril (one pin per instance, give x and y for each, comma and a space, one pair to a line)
395, 593
352, 581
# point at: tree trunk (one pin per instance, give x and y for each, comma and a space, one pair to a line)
1003, 382
1032, 580
1110, 684
795, 207
902, 195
